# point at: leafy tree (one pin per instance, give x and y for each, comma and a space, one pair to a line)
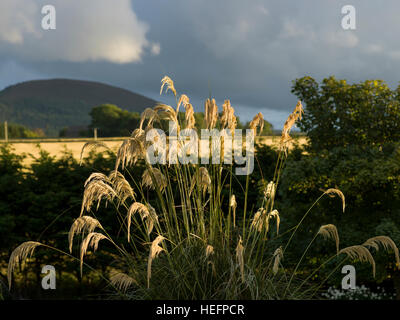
369, 179
112, 121
340, 114
11, 189
16, 131
353, 134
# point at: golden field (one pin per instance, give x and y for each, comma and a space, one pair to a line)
57, 146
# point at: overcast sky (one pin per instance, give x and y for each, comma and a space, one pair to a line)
248, 51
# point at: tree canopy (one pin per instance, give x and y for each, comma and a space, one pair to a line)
353, 132
112, 121
340, 114
16, 131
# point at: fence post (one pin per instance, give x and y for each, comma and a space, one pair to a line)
5, 131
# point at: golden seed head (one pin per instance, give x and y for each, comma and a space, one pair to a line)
184, 101
360, 253
19, 255
209, 250
81, 225
153, 178
149, 114
211, 113
122, 281
92, 145
189, 116
287, 127
240, 256
155, 250
258, 121
97, 187
329, 231
169, 83
386, 242
332, 191
275, 214
91, 241
278, 256
232, 202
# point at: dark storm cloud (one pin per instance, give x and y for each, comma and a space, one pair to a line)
248, 51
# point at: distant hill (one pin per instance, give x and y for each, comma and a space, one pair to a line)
58, 103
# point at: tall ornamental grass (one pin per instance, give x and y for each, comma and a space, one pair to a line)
186, 234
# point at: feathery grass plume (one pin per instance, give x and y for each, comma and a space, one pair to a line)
131, 149
92, 145
259, 219
256, 223
205, 180
278, 256
170, 85
332, 191
269, 193
258, 121
139, 134
386, 242
298, 110
275, 214
293, 117
168, 113
96, 176
228, 118
126, 154
209, 250
97, 187
149, 114
122, 281
160, 180
329, 231
233, 205
136, 207
360, 253
121, 186
82, 224
225, 113
151, 220
184, 101
287, 127
211, 113
202, 179
92, 240
233, 122
19, 255
240, 256
155, 250
284, 142
189, 116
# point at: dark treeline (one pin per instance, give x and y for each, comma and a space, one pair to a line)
112, 121
39, 203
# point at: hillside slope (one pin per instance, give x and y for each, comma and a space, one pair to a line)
57, 103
